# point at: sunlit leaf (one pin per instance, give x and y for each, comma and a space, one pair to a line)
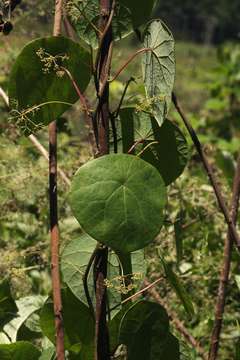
158, 68
85, 15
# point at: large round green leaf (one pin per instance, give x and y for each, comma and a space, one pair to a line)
164, 147
144, 329
159, 68
118, 200
20, 350
36, 79
74, 260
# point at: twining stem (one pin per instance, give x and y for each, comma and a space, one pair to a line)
101, 331
55, 272
210, 173
116, 112
85, 281
102, 120
105, 30
129, 60
224, 277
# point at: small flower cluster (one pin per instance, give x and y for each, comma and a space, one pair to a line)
23, 119
146, 104
119, 284
52, 62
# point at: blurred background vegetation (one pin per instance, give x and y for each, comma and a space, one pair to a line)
208, 86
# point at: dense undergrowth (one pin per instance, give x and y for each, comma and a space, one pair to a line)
192, 239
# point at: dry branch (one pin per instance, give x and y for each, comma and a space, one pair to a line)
224, 277
210, 173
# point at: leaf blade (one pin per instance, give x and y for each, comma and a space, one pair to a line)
158, 68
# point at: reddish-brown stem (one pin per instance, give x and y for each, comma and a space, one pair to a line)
210, 173
140, 141
224, 277
105, 30
102, 120
101, 331
55, 272
130, 59
176, 322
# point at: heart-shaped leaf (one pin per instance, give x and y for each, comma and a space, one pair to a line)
132, 127
164, 147
75, 258
168, 151
39, 90
145, 331
158, 68
118, 200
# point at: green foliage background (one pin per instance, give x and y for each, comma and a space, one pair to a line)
207, 84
